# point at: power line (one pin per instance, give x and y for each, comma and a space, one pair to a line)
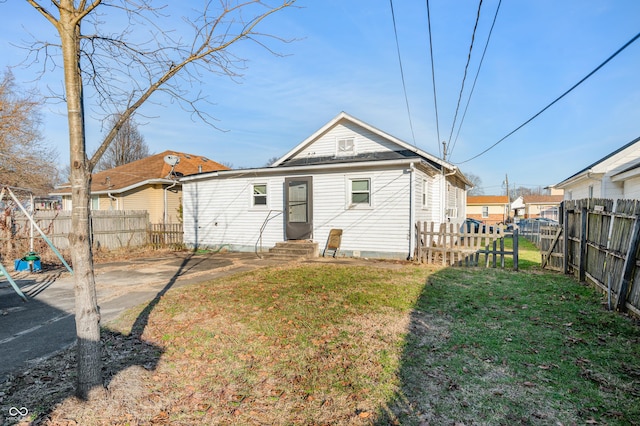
433, 80
475, 80
473, 36
627, 44
404, 86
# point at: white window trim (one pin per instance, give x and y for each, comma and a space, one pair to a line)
484, 216
252, 205
425, 195
358, 206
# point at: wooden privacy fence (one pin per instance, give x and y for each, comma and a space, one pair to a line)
598, 242
110, 230
166, 235
551, 245
452, 245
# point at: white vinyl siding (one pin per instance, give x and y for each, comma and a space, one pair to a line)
217, 213
632, 189
381, 228
363, 140
214, 217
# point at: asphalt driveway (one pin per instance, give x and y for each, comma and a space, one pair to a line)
45, 324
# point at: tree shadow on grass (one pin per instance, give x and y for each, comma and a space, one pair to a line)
437, 380
33, 394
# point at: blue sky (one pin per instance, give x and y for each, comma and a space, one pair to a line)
345, 59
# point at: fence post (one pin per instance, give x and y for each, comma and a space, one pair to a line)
515, 249
419, 242
629, 263
583, 244
565, 230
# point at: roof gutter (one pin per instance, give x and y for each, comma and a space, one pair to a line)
121, 190
587, 174
299, 169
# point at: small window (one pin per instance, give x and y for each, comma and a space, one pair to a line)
425, 193
346, 147
590, 191
485, 211
361, 192
259, 194
95, 202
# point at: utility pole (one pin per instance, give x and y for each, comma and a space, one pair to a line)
506, 182
444, 150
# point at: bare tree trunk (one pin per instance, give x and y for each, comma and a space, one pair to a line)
87, 311
207, 50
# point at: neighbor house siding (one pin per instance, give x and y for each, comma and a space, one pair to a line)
632, 189
602, 176
150, 197
580, 191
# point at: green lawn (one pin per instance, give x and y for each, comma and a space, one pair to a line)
384, 343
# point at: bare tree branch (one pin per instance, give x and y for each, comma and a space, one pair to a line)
124, 68
208, 50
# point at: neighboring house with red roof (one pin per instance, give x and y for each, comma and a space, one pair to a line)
531, 206
490, 209
615, 176
148, 184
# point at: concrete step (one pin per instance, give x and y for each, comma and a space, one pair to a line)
293, 250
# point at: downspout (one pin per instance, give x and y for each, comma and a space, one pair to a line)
412, 213
114, 199
166, 202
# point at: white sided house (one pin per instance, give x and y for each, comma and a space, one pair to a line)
616, 176
348, 175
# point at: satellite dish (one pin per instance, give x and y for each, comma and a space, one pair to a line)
171, 160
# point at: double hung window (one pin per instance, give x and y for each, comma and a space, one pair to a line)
360, 192
259, 198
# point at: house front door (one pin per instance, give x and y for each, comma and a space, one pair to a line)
298, 208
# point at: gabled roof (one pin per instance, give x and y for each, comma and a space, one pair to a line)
589, 169
149, 170
487, 199
542, 199
406, 147
406, 155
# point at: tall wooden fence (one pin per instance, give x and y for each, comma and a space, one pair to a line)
110, 229
450, 245
598, 242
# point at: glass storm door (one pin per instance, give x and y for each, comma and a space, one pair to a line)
298, 208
